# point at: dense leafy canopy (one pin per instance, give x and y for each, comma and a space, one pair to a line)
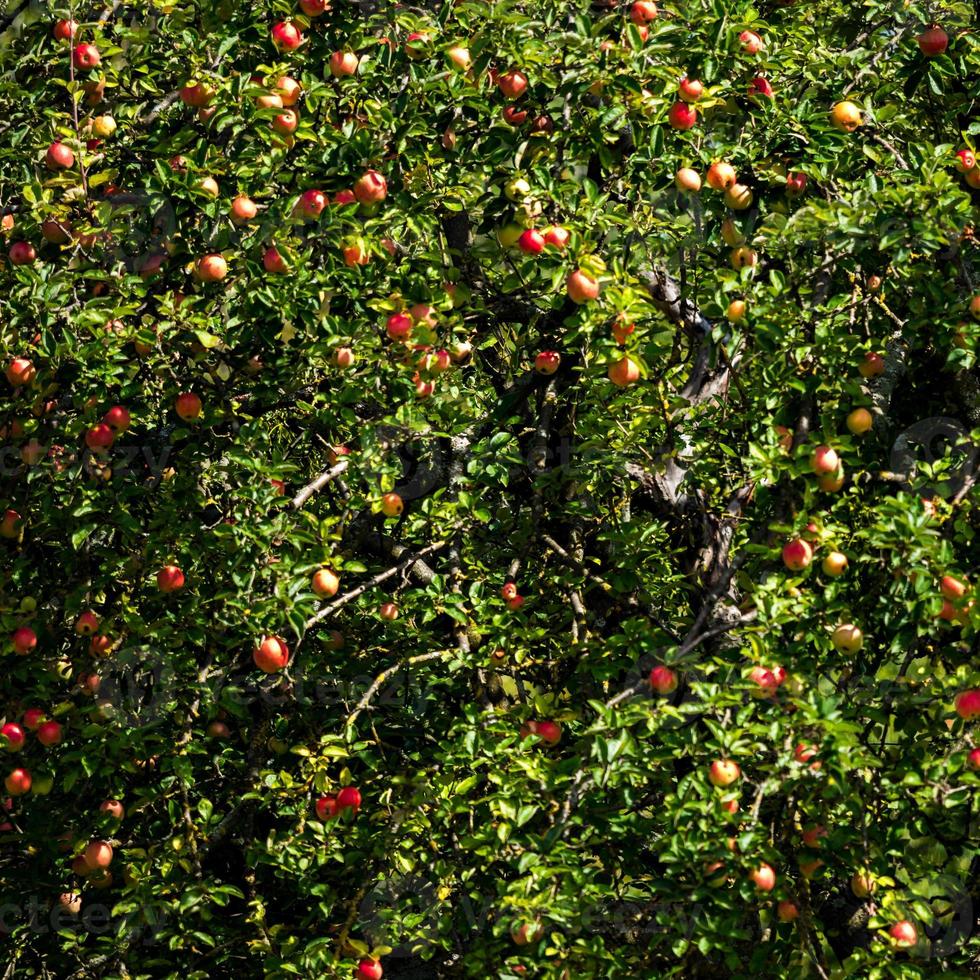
399, 455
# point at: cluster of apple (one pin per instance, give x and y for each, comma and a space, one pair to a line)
415, 328
346, 799
966, 164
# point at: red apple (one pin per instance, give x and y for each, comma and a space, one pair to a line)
797, 555
763, 877
663, 680
804, 753
760, 86
113, 808
273, 262
12, 737
326, 807
97, 854
973, 759
23, 639
99, 438
18, 782
325, 582
188, 406
547, 362
85, 57
952, 588
751, 42
117, 418
197, 95
343, 63
967, 704
21, 253
723, 772
787, 911
512, 83
642, 12
531, 241
721, 176
286, 122
271, 655
370, 187
582, 288
59, 156
682, 116
765, 682
170, 579
349, 798
824, 461
20, 372
312, 203
399, 327
795, 184
314, 8
624, 372
834, 564
64, 30
286, 36
690, 89
391, 505
904, 933
871, 365
87, 623
243, 209
933, 41
369, 969
33, 717
211, 268
965, 160
388, 611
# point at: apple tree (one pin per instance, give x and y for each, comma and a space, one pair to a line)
489, 489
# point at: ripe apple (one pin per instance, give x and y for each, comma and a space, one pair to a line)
349, 798
273, 262
343, 357
738, 197
415, 45
460, 57
581, 287
687, 180
513, 84
23, 639
871, 365
289, 90
682, 116
56, 230
804, 753
209, 186
343, 63
847, 638
730, 233
797, 555
113, 808
326, 807
751, 42
845, 116
787, 911
211, 268
218, 729
967, 704
355, 253
314, 8
663, 680
391, 505
763, 877
369, 969
795, 184
97, 854
723, 772
764, 681
862, 885
312, 203
64, 30
624, 372
622, 328
117, 418
325, 583
689, 89
286, 36
973, 759
271, 655
170, 579
547, 362
18, 782
399, 327
59, 156
735, 311
370, 187
99, 438
85, 57
952, 588
286, 122
243, 209
388, 611
933, 41
21, 253
743, 258
87, 623
531, 241
11, 524
12, 737
760, 86
100, 645
860, 421
197, 95
547, 731
834, 564
103, 126
824, 460
642, 12
557, 236
975, 307
188, 406
20, 372
965, 160
904, 933
721, 176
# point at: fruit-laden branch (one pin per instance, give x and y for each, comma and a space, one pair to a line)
331, 608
